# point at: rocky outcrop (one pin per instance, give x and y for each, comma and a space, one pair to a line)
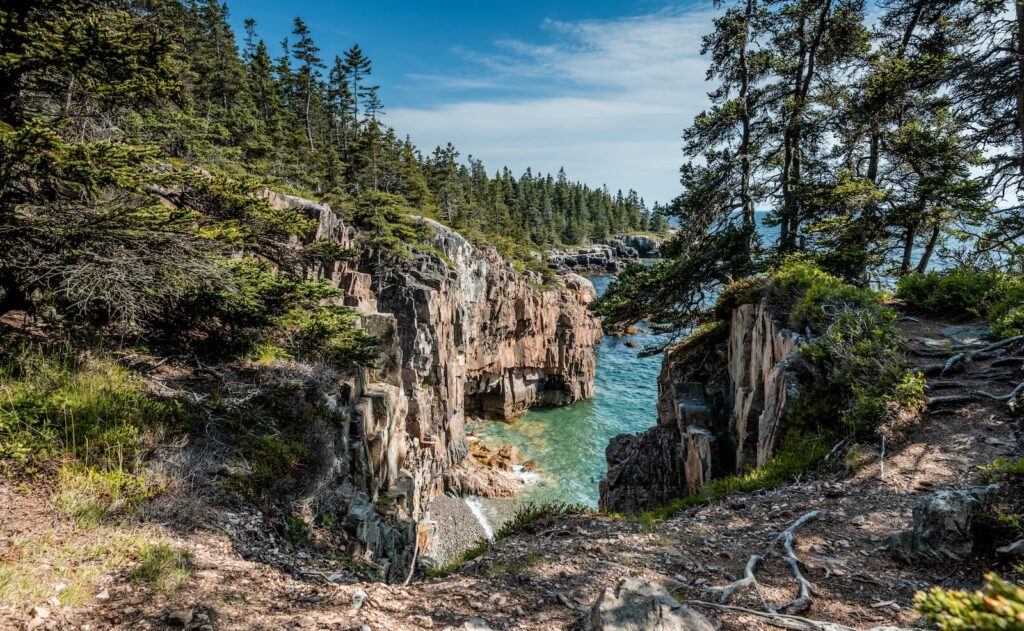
942, 527
463, 333
607, 256
596, 259
722, 398
636, 605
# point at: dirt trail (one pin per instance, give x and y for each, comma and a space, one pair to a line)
542, 577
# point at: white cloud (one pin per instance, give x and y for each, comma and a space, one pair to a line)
608, 100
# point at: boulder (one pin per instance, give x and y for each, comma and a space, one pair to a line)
942, 527
636, 605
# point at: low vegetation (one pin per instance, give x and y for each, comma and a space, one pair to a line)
998, 606
968, 294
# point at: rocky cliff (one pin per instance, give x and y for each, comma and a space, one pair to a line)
607, 256
722, 398
463, 333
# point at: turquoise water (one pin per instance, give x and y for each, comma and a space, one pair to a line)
568, 443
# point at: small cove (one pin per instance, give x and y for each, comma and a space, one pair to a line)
568, 443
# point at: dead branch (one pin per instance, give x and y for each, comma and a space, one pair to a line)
784, 621
785, 542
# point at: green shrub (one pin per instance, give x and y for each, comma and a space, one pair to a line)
998, 606
328, 333
858, 362
805, 296
963, 293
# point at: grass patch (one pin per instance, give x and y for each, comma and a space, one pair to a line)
34, 567
88, 497
523, 518
55, 403
162, 567
476, 551
533, 512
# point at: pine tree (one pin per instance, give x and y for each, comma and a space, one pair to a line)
308, 77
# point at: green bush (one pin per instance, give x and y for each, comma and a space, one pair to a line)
998, 606
857, 361
963, 293
328, 333
805, 296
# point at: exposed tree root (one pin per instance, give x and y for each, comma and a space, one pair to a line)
956, 363
784, 621
785, 542
950, 399
1006, 397
1017, 362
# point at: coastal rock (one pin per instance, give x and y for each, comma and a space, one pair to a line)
736, 384
462, 332
942, 527
636, 605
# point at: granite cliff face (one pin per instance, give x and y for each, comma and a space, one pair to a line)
463, 333
607, 256
722, 398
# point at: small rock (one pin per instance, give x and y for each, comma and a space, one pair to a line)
180, 618
305, 622
634, 604
859, 520
60, 587
358, 598
35, 623
819, 549
1012, 550
103, 596
39, 612
424, 622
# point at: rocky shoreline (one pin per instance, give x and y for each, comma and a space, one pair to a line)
608, 256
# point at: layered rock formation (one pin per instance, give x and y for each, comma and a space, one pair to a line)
462, 333
608, 256
722, 398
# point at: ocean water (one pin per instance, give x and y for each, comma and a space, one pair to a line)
568, 443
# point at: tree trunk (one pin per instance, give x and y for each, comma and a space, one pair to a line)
1019, 5
922, 265
745, 160
908, 249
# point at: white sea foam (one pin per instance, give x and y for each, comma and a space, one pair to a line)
478, 511
527, 477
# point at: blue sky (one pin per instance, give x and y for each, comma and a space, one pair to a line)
603, 88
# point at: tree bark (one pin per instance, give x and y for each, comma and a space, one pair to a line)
746, 200
922, 265
1019, 6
